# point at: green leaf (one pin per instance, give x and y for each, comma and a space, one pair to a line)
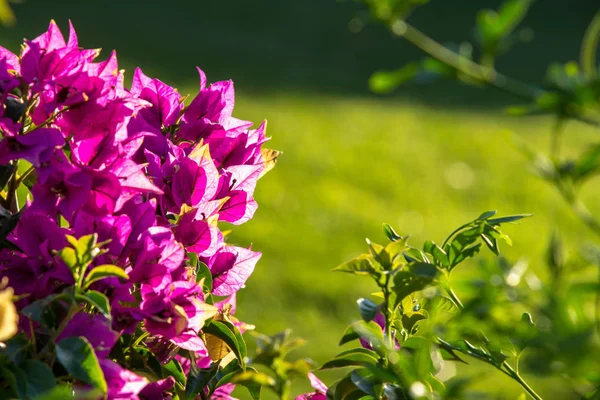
508, 218
368, 309
352, 357
16, 380
223, 332
391, 233
97, 300
77, 356
40, 311
410, 320
379, 254
253, 381
487, 215
386, 81
369, 331
491, 243
40, 378
437, 252
85, 247
364, 380
361, 265
173, 368
198, 379
69, 257
17, 348
349, 335
416, 278
104, 271
202, 271
60, 392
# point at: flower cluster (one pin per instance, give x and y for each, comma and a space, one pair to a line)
147, 176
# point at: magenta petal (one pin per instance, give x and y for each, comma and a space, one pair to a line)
231, 268
191, 341
122, 384
238, 209
95, 328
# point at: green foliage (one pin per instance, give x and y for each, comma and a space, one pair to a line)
77, 357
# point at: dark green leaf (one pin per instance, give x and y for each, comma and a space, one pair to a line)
364, 380
487, 214
198, 379
508, 218
349, 335
77, 356
40, 311
416, 278
17, 348
491, 243
391, 233
97, 300
173, 368
40, 378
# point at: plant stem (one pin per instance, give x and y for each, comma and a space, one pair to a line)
515, 375
454, 298
509, 370
472, 69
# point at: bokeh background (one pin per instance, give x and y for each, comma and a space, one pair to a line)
424, 159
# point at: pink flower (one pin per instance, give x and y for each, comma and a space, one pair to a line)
320, 389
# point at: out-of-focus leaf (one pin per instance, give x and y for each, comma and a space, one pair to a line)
97, 300
387, 81
352, 357
417, 277
7, 17
40, 378
361, 265
391, 233
104, 271
77, 356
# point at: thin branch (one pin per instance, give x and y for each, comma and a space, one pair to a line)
474, 70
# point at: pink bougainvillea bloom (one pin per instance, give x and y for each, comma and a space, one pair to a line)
159, 390
36, 147
231, 267
196, 178
166, 101
122, 384
198, 236
176, 313
224, 392
320, 392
